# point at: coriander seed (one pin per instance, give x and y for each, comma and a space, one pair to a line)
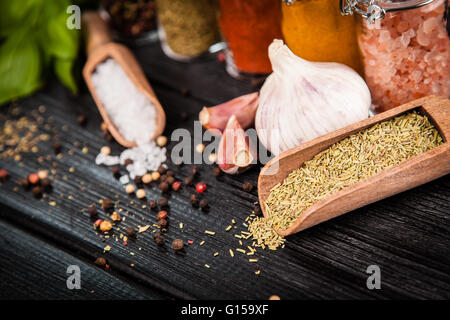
177, 245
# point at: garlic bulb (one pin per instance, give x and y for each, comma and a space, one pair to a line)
303, 100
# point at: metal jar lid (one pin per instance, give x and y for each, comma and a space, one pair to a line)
375, 10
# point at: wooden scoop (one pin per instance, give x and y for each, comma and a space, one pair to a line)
406, 175
99, 48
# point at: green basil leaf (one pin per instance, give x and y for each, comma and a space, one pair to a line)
20, 66
64, 71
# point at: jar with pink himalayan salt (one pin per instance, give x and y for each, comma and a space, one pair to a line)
405, 46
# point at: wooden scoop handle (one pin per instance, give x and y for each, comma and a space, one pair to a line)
96, 30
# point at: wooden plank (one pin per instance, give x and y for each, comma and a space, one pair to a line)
406, 235
31, 268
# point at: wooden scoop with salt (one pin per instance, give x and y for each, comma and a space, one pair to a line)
100, 47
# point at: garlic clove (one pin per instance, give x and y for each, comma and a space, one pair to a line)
235, 153
243, 107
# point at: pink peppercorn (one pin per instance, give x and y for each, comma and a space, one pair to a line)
200, 187
176, 185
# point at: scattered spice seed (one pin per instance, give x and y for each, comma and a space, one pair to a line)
115, 216
163, 177
56, 147
228, 228
217, 172
152, 204
253, 260
210, 232
194, 200
200, 187
257, 210
97, 223
215, 254
202, 243
33, 178
129, 188
170, 173
46, 184
105, 150
163, 186
92, 210
163, 202
207, 266
161, 141
231, 253
274, 297
188, 180
141, 194
247, 186
257, 272
4, 175
176, 185
105, 226
177, 245
127, 162
162, 215
170, 180
42, 174
37, 191
200, 148
147, 178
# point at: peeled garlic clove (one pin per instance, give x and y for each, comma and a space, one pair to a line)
235, 153
303, 100
243, 107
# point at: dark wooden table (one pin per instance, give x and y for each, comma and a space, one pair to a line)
407, 235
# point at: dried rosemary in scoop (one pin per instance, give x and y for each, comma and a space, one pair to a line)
348, 161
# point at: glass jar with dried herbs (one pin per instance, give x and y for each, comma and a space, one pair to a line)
249, 26
316, 31
131, 18
406, 48
187, 28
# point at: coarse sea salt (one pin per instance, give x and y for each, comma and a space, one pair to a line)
130, 111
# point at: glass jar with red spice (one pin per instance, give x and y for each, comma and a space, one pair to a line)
249, 26
405, 46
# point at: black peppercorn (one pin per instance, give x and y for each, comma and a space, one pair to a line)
257, 210
194, 170
82, 120
159, 239
188, 180
46, 184
56, 147
152, 204
162, 169
247, 186
163, 201
138, 181
101, 262
4, 175
127, 162
107, 204
177, 245
194, 200
170, 173
203, 204
164, 186
217, 172
163, 177
37, 191
92, 210
131, 232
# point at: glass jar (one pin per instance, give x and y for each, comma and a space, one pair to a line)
249, 26
405, 47
316, 31
131, 19
187, 28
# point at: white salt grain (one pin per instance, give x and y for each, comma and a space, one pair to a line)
130, 110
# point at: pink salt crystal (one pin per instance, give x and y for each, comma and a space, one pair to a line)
422, 38
402, 26
416, 76
384, 36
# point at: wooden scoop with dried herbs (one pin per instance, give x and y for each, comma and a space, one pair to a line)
349, 161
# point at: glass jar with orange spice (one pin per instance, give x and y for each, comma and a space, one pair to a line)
315, 30
249, 26
405, 46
